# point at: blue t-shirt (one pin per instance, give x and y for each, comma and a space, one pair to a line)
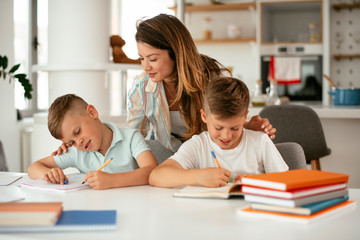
126, 146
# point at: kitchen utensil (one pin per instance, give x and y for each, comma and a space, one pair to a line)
330, 81
345, 96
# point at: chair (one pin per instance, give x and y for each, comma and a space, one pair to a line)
300, 124
160, 152
3, 164
293, 154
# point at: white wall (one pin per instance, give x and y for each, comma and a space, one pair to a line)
9, 133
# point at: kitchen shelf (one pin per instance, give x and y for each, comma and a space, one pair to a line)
340, 6
225, 40
85, 67
346, 56
218, 7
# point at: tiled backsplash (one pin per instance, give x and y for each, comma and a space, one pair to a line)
344, 40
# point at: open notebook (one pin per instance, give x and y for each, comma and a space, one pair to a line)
75, 183
230, 190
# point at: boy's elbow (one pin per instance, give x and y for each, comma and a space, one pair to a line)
152, 178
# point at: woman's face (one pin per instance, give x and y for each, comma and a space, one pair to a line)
156, 62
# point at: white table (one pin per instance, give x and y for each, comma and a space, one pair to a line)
147, 212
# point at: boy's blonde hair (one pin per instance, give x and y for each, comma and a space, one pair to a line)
59, 108
226, 97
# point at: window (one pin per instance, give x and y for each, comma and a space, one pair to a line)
30, 41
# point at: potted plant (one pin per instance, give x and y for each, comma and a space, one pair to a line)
21, 77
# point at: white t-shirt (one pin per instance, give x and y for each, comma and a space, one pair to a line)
255, 154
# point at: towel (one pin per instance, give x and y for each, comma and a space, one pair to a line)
285, 70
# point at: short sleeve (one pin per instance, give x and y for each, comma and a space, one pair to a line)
67, 159
186, 156
138, 144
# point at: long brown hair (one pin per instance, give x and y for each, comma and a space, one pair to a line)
193, 69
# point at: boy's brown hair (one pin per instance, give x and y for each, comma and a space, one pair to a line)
227, 97
59, 108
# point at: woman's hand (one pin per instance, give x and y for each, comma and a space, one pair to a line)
60, 150
257, 123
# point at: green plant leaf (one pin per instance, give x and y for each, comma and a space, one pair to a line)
1, 61
20, 76
14, 68
5, 62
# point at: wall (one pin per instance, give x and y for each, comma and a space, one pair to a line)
9, 133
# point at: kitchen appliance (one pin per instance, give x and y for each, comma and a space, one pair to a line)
310, 86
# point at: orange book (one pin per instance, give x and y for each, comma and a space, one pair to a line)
293, 179
288, 217
29, 213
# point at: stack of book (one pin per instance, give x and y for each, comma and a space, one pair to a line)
50, 216
299, 195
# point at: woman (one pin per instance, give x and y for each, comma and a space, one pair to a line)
165, 101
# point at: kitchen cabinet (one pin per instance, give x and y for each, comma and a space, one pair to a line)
291, 22
219, 34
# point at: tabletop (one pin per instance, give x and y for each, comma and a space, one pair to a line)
146, 212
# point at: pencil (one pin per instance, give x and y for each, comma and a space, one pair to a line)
102, 166
217, 162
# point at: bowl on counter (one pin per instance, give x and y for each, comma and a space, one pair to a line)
345, 96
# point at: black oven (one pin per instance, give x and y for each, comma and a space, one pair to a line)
310, 86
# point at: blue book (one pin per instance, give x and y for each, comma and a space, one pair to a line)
306, 210
74, 220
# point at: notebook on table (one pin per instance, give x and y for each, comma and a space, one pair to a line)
75, 183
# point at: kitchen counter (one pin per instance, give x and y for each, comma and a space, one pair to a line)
330, 111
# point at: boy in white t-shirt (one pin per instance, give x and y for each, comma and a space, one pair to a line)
237, 151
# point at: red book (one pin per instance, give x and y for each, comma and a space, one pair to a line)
293, 179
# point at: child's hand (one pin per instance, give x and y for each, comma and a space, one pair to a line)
99, 180
238, 178
60, 150
55, 175
213, 177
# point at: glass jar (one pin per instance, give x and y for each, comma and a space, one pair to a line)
273, 98
313, 32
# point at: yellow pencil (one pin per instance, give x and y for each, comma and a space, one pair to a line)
105, 163
102, 166
217, 162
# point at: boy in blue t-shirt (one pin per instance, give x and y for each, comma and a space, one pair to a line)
91, 143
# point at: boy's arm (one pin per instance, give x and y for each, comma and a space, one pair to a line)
48, 170
171, 174
140, 176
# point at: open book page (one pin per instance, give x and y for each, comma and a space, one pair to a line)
75, 183
205, 192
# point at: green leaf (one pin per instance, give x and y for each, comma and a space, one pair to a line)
14, 68
1, 61
5, 62
20, 76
